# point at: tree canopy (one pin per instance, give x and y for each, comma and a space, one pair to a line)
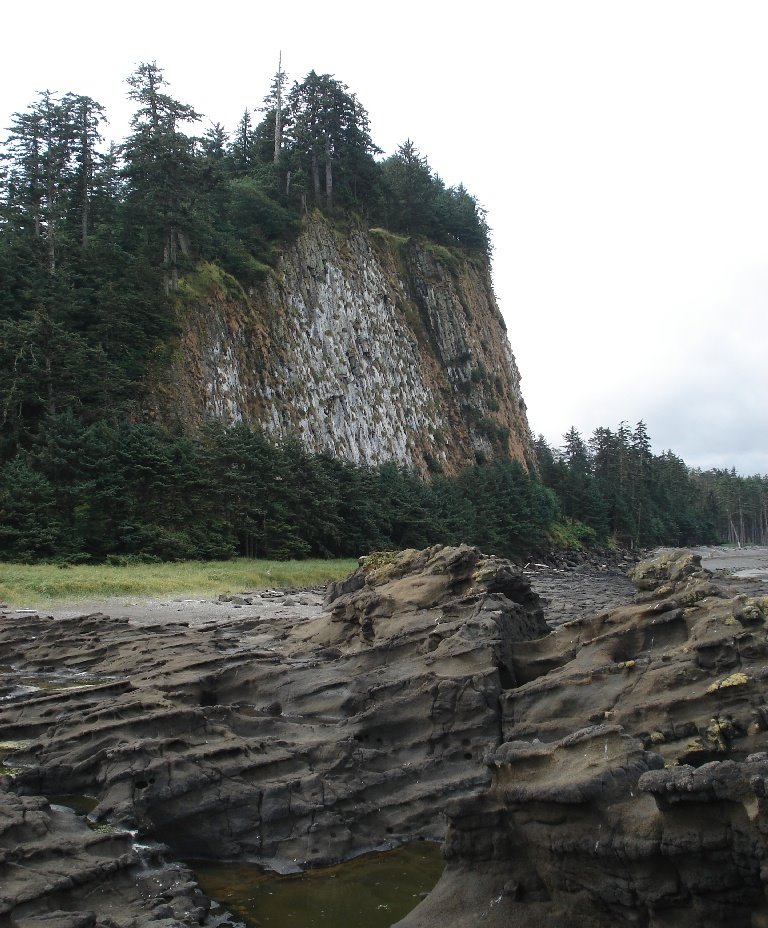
617, 487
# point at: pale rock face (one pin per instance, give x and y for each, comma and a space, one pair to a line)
360, 346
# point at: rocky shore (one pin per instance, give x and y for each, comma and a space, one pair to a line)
629, 787
598, 757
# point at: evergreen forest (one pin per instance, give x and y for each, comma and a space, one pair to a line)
94, 239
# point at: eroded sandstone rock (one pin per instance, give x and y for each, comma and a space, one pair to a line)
611, 771
56, 872
630, 785
296, 741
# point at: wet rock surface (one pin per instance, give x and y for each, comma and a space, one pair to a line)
600, 758
56, 872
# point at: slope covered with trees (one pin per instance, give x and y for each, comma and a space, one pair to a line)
94, 240
104, 491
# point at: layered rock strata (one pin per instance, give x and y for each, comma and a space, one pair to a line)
360, 344
57, 872
630, 787
296, 741
610, 770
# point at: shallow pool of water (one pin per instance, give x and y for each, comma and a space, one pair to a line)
369, 892
80, 804
6, 748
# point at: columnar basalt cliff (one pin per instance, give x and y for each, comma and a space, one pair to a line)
361, 344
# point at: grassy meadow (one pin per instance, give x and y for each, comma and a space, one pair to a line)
33, 584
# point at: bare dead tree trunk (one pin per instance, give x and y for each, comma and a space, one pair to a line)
49, 384
316, 178
85, 201
174, 256
174, 240
764, 526
51, 242
328, 176
51, 226
279, 109
741, 523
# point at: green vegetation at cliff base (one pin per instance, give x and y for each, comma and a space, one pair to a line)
101, 493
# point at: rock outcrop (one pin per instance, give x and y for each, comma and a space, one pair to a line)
57, 872
293, 741
360, 344
608, 770
630, 786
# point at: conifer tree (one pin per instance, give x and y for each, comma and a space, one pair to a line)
39, 149
160, 168
328, 128
87, 117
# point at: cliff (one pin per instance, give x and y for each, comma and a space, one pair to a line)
361, 344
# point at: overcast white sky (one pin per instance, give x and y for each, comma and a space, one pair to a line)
621, 149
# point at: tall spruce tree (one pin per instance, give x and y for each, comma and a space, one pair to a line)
160, 169
39, 149
329, 136
87, 117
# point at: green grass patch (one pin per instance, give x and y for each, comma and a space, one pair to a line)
572, 535
445, 256
208, 278
33, 584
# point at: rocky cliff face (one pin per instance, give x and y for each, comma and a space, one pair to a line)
361, 344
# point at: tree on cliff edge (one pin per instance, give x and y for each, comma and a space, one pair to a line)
329, 136
160, 169
51, 158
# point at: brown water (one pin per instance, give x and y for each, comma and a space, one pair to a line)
369, 892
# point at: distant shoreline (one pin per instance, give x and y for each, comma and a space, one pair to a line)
747, 561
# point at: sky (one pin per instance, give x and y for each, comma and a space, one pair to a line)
620, 148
